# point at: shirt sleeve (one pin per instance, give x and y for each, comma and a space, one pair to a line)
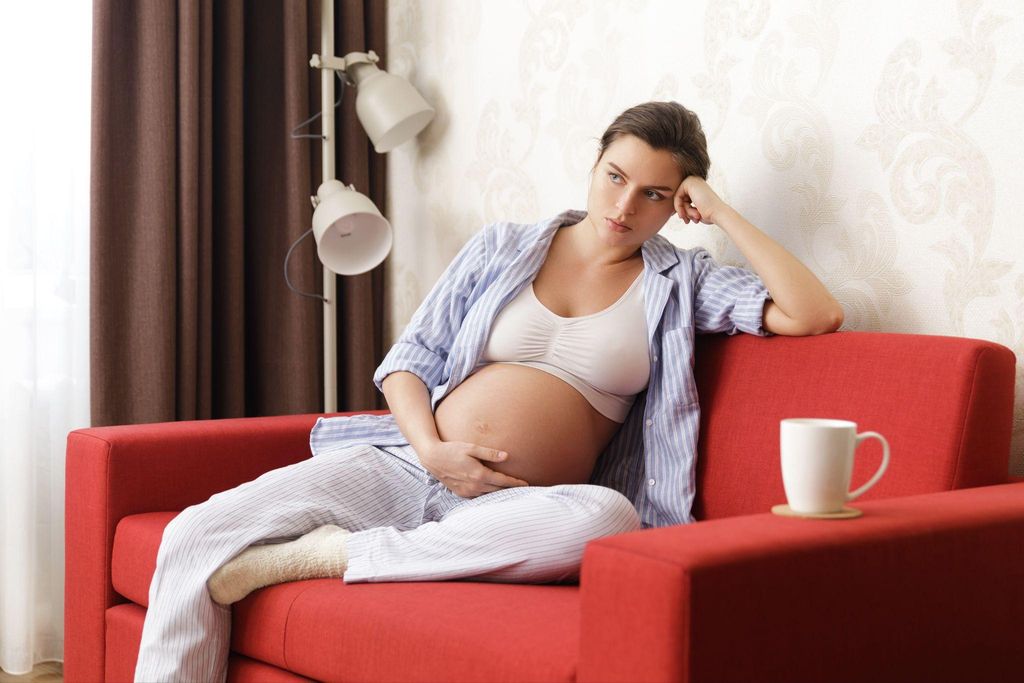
726, 298
424, 344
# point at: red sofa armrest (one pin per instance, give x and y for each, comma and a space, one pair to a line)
920, 588
112, 472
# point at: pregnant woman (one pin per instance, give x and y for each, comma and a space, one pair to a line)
541, 396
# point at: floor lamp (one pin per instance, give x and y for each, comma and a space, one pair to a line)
352, 236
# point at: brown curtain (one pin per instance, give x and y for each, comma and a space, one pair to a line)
198, 191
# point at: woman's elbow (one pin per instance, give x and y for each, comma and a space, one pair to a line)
823, 324
830, 323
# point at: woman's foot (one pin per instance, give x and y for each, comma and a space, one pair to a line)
319, 554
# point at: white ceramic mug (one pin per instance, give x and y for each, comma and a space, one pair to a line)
817, 463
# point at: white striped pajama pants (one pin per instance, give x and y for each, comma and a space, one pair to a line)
406, 527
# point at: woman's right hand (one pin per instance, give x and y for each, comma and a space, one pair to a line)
460, 467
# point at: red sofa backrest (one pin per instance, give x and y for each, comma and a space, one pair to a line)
945, 404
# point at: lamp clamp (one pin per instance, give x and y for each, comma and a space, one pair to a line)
343, 64
316, 199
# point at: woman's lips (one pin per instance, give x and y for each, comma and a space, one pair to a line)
617, 227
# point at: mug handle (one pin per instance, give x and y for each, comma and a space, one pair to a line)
881, 470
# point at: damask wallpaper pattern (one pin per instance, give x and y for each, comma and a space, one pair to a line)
877, 141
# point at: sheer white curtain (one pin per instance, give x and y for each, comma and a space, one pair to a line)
44, 305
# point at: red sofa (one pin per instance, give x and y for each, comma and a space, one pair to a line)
928, 585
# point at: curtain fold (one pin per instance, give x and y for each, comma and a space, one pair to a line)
360, 26
198, 193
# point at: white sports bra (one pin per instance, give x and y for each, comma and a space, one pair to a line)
603, 355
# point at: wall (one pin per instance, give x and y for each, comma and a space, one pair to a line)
874, 140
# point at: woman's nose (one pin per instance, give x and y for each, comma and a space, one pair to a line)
625, 203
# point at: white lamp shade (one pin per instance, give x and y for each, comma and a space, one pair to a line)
352, 237
390, 109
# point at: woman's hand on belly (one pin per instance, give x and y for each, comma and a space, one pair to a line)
458, 465
551, 433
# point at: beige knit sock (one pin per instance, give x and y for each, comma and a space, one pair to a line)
319, 554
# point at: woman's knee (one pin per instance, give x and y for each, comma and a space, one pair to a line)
191, 525
607, 509
222, 511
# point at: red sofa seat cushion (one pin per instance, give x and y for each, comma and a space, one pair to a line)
124, 632
427, 631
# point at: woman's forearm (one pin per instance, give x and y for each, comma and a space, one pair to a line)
409, 401
793, 287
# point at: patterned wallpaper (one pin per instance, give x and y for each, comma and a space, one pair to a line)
872, 139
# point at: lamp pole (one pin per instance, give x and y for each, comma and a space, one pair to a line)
391, 111
330, 282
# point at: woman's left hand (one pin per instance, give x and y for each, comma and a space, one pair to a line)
696, 201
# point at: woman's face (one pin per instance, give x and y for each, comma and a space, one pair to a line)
631, 192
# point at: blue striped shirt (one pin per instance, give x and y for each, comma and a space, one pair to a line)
651, 459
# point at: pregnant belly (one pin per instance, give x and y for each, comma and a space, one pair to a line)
551, 432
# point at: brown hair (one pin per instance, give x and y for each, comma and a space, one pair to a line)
667, 126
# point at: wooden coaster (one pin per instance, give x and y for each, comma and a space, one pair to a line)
845, 513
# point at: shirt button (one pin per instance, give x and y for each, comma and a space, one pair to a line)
650, 422
655, 359
650, 482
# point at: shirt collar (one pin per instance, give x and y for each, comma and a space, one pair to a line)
658, 253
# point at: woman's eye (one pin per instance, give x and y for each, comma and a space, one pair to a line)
651, 194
